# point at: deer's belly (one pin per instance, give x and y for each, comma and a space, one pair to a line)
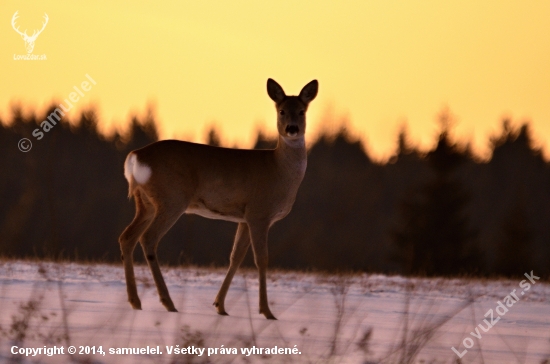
227, 214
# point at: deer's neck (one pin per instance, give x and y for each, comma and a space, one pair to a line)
291, 155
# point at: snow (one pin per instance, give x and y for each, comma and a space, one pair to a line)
325, 318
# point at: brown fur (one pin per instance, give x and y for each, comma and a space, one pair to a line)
253, 188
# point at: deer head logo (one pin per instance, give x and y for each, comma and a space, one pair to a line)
29, 40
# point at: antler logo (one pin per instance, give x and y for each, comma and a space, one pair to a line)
29, 40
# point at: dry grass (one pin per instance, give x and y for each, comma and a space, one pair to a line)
33, 325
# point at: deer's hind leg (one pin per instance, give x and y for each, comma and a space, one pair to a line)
167, 212
128, 240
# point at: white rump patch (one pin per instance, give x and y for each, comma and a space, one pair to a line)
133, 168
129, 166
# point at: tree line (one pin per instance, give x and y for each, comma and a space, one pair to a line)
441, 212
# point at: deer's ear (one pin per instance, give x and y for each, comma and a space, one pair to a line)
309, 91
275, 91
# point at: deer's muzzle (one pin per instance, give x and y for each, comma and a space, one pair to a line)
292, 130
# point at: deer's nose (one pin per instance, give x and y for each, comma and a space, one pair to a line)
292, 130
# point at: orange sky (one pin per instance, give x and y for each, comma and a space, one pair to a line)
379, 63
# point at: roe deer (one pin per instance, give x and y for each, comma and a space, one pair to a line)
253, 188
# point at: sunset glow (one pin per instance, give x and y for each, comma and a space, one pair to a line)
380, 65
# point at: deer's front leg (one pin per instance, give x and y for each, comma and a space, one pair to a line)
258, 235
240, 247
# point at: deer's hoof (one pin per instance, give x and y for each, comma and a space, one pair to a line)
268, 315
167, 303
136, 305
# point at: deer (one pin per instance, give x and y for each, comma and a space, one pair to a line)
253, 188
29, 40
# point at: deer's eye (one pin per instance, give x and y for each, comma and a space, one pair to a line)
302, 112
281, 112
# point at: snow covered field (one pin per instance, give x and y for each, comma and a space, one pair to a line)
321, 318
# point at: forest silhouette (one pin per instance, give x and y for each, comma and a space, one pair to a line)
442, 212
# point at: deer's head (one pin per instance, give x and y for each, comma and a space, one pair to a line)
29, 40
291, 110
